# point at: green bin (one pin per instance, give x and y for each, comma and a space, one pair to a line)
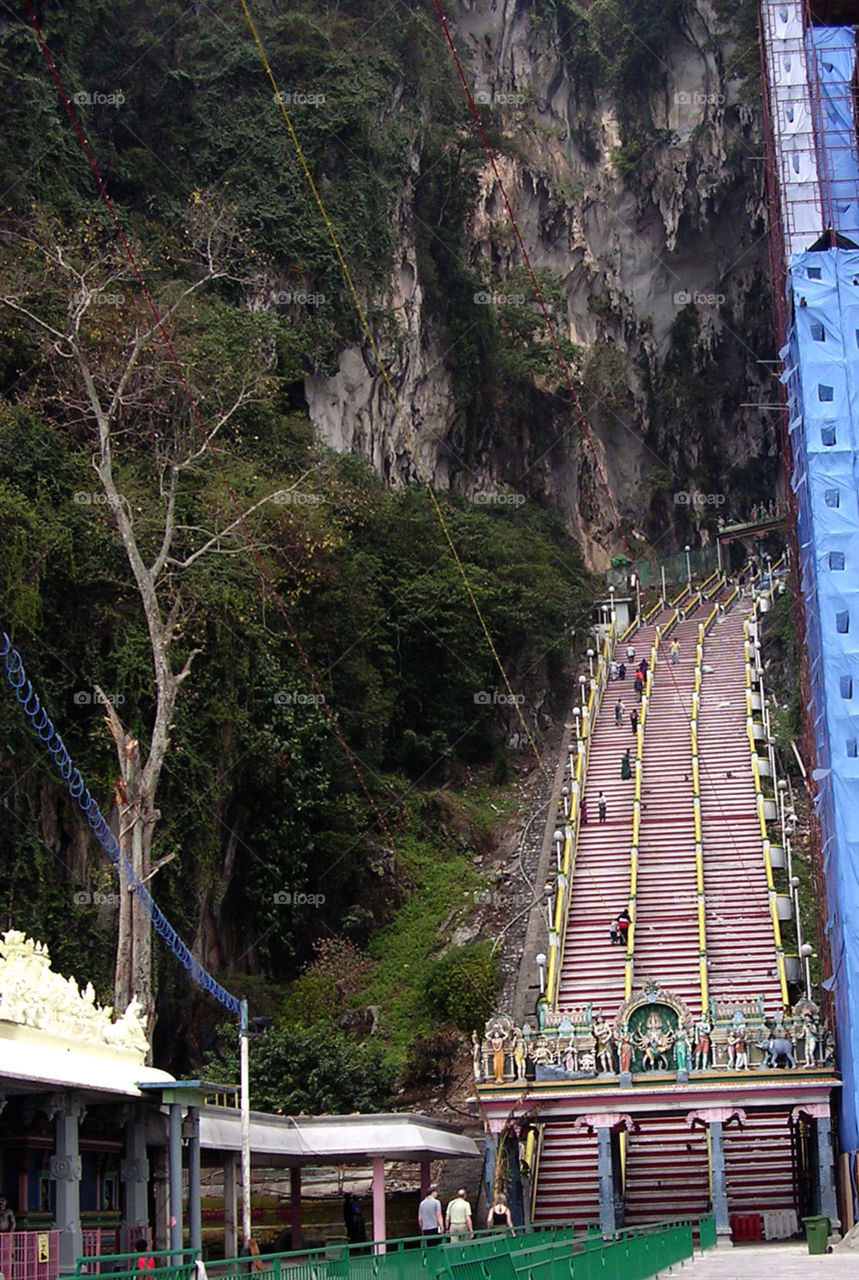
816, 1233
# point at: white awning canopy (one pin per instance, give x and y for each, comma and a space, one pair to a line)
329, 1140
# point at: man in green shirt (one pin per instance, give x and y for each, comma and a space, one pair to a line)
458, 1217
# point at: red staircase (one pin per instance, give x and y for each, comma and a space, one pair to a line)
666, 1162
568, 1187
666, 910
758, 1168
740, 944
592, 969
667, 1171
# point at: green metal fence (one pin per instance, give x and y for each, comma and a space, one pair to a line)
702, 560
547, 1252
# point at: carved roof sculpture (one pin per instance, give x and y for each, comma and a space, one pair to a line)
32, 995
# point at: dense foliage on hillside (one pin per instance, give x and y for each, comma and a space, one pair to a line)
271, 838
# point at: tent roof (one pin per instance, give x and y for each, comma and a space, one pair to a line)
321, 1140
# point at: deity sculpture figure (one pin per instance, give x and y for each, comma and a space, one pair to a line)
605, 1043
654, 1043
496, 1041
519, 1054
812, 1033
703, 1044
735, 1047
625, 1051
681, 1048
571, 1062
476, 1056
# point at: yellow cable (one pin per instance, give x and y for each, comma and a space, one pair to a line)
278, 97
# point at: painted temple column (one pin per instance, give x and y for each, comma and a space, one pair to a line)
828, 1205
66, 1172
231, 1206
718, 1185
295, 1227
195, 1221
174, 1156
379, 1224
515, 1196
605, 1170
134, 1175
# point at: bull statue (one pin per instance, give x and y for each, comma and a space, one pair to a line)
774, 1048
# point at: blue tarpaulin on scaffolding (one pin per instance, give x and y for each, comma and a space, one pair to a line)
822, 376
833, 50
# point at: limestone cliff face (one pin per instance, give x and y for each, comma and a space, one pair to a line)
656, 235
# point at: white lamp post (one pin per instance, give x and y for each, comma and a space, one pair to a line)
565, 798
558, 838
806, 951
687, 549
611, 598
583, 684
591, 663
541, 969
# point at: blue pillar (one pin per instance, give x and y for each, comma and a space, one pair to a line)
605, 1170
66, 1172
174, 1145
195, 1227
826, 1171
717, 1179
134, 1174
488, 1167
514, 1188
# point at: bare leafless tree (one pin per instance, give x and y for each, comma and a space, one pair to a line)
124, 391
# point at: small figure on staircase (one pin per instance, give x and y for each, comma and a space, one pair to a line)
619, 709
625, 766
601, 806
620, 927
621, 671
674, 651
638, 683
633, 719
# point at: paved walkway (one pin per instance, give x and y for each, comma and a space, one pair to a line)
781, 1261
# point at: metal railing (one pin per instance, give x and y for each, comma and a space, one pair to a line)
550, 1251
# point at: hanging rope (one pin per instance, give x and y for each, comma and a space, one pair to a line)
399, 415
42, 726
262, 571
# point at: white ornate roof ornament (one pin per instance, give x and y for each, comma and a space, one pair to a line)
32, 995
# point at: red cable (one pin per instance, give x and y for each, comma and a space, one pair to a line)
561, 361
192, 404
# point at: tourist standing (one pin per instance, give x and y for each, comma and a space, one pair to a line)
458, 1216
601, 804
430, 1220
499, 1218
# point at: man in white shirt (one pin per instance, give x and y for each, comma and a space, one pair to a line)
459, 1216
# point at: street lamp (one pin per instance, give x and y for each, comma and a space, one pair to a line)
806, 951
558, 837
611, 598
687, 549
565, 797
591, 663
541, 969
583, 687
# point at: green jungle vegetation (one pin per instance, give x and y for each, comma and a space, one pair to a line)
277, 871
